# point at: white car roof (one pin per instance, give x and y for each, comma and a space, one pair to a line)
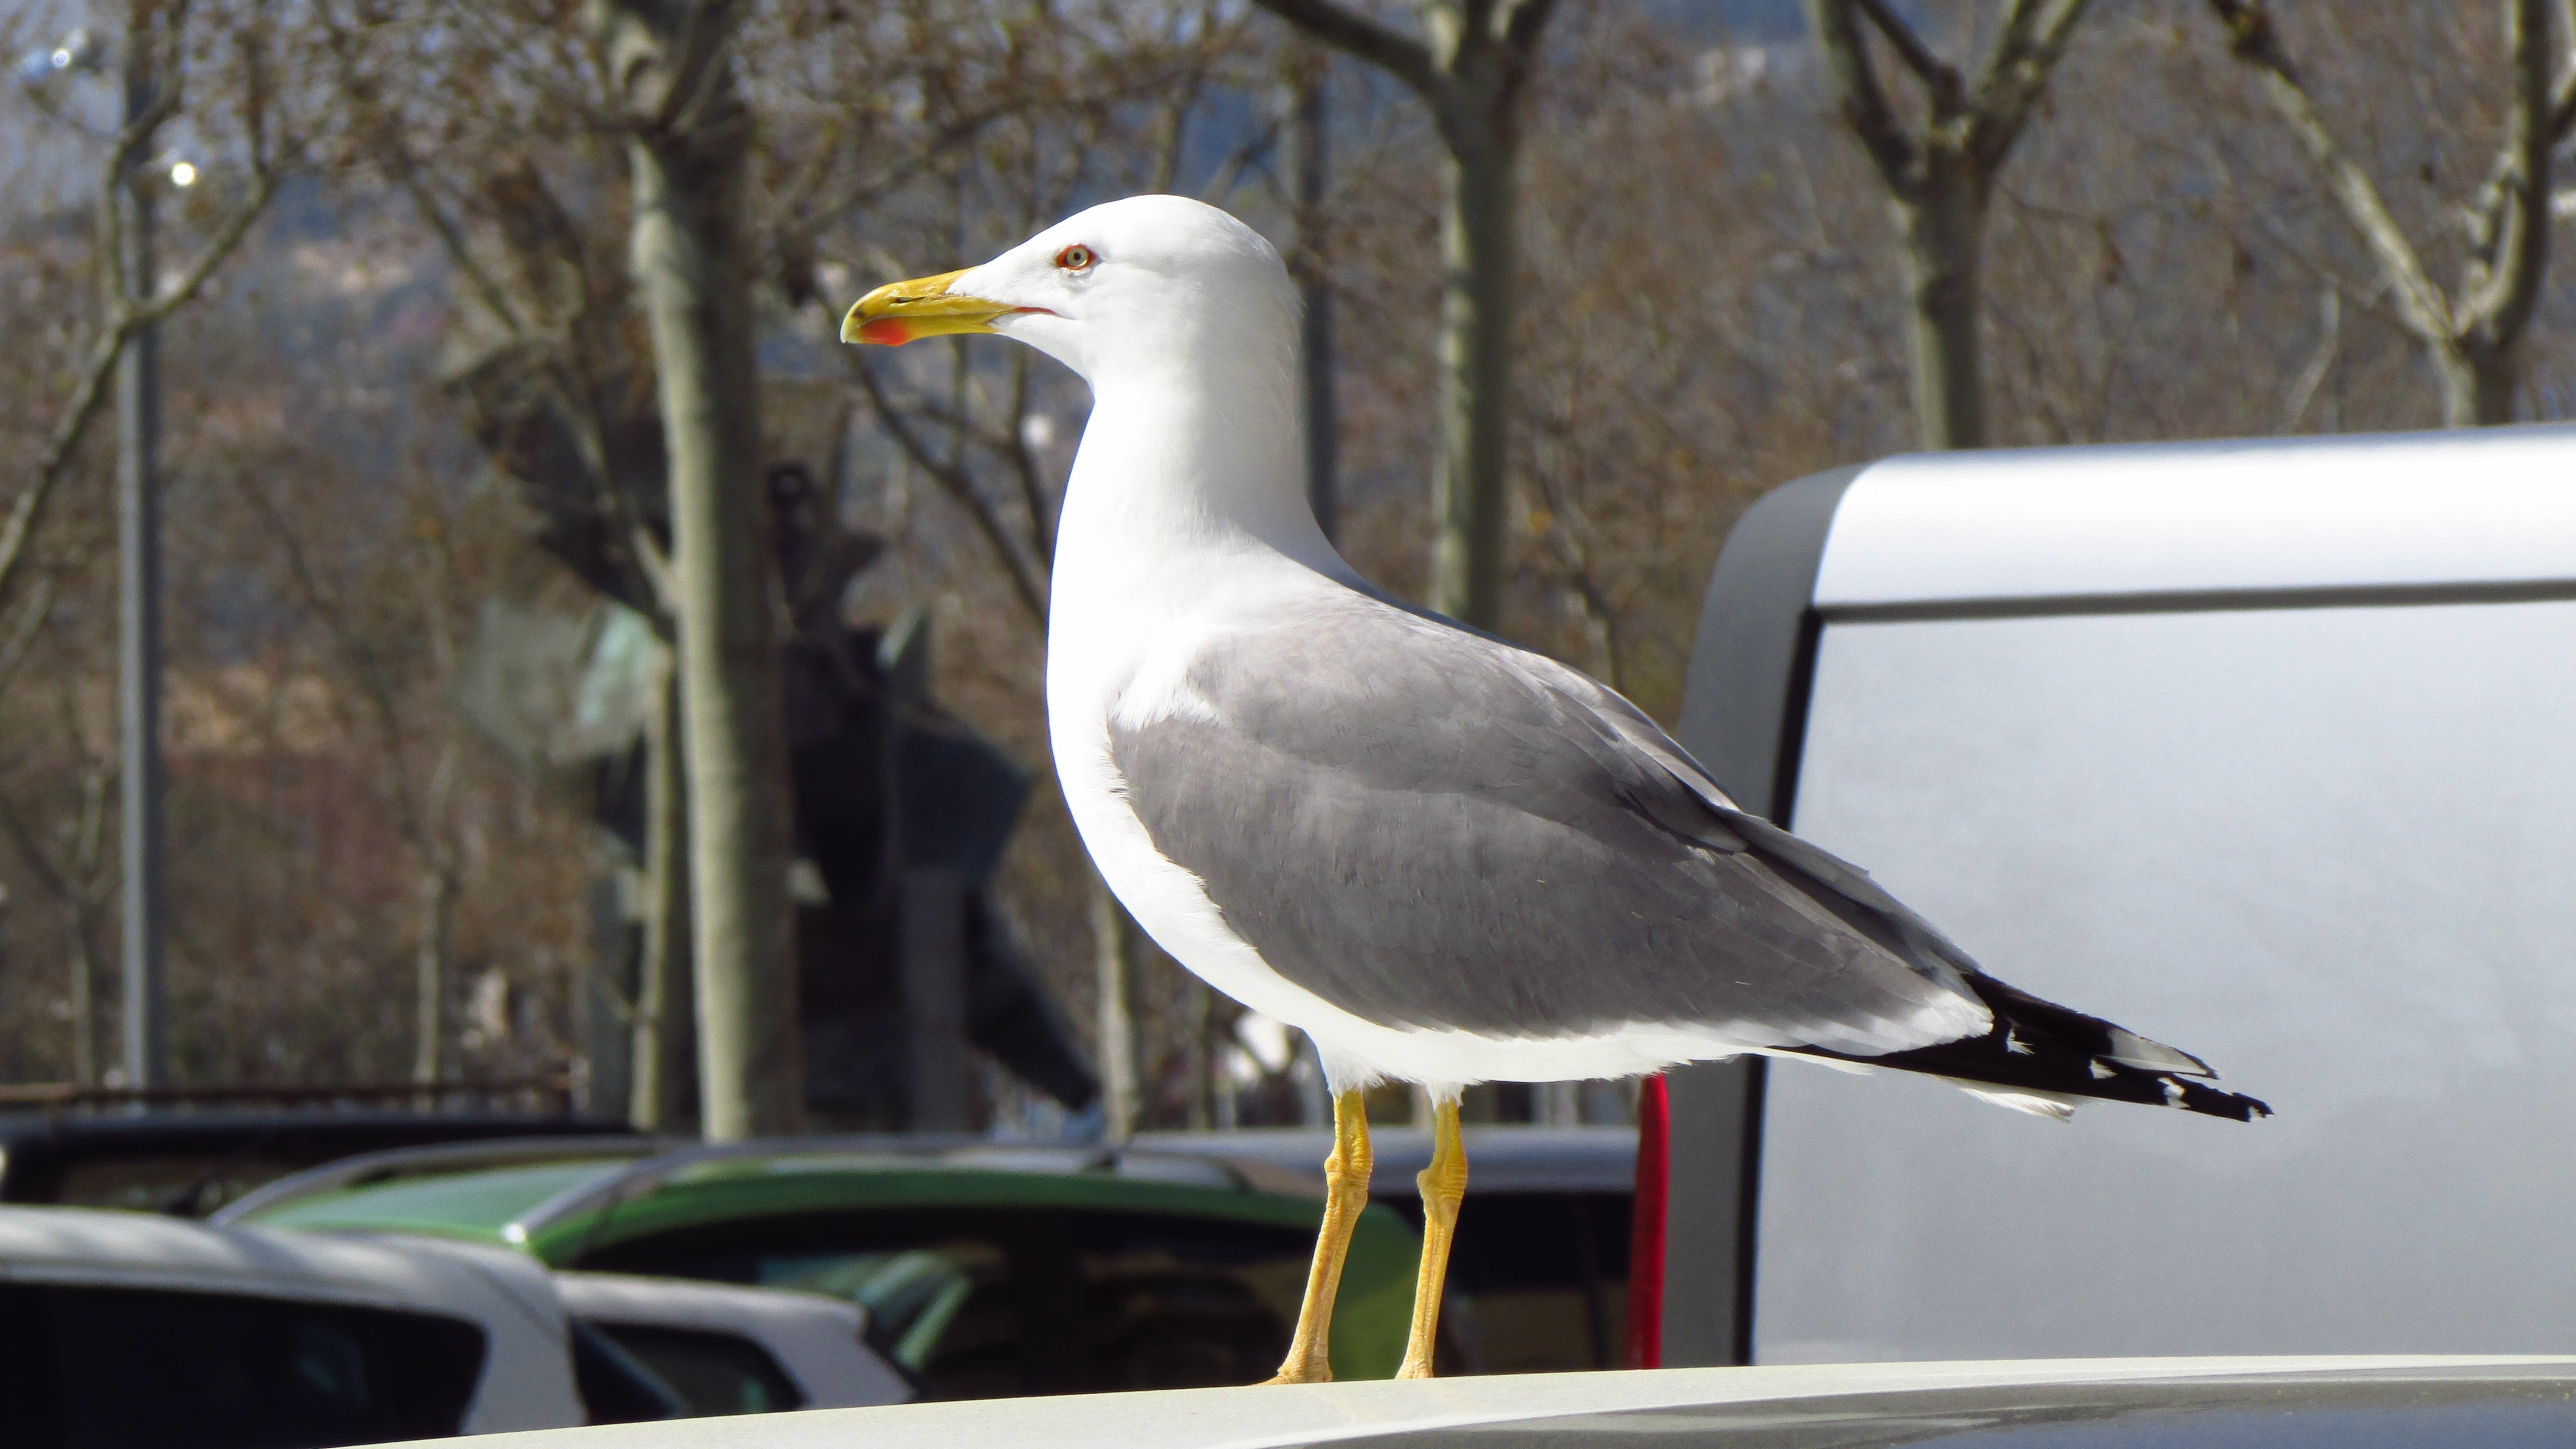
1266, 1417
814, 1338
2454, 510
1323, 1414
527, 1378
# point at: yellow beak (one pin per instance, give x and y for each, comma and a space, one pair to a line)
898, 312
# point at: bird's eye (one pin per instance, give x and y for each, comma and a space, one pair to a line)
1075, 258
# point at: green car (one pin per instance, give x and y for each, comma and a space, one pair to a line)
986, 1270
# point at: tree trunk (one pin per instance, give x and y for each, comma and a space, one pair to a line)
687, 154
438, 890
657, 1096
1477, 250
1113, 958
2478, 385
84, 1000
429, 972
1944, 229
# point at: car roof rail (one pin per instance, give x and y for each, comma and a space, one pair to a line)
437, 1159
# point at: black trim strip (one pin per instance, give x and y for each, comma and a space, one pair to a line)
2215, 601
1744, 715
1744, 667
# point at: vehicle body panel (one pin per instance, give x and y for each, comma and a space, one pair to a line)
196, 1162
527, 1379
816, 1340
604, 1213
1859, 1406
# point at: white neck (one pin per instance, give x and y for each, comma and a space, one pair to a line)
1191, 476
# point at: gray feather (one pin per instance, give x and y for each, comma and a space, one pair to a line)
1427, 827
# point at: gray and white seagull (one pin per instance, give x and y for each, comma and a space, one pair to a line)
1446, 859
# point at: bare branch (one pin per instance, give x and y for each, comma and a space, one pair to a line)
2421, 306
1401, 56
91, 392
37, 857
1865, 107
567, 397
226, 238
2034, 40
31, 617
1931, 69
1522, 21
2509, 220
374, 679
953, 480
2329, 343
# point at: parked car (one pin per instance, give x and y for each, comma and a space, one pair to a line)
1538, 1279
192, 1163
986, 1270
722, 1349
138, 1332
2208, 1403
133, 1330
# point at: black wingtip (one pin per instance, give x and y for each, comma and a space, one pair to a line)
2211, 1102
2040, 1047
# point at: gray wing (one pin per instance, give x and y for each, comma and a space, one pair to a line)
1427, 827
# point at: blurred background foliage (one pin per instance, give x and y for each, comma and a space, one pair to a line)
1710, 301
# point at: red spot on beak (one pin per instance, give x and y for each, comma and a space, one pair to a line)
885, 331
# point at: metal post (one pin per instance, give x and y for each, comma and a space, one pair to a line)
138, 536
1314, 286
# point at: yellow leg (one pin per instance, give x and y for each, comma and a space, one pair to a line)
1443, 1183
1346, 1185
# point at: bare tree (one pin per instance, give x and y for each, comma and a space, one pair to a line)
1006, 138
671, 74
1472, 68
420, 800
1940, 177
2471, 334
135, 304
555, 393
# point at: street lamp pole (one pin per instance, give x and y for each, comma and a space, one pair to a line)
138, 538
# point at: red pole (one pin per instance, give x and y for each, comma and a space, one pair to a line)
1646, 1235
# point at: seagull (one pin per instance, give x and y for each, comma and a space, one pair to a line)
1446, 859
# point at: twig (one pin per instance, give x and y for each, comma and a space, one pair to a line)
955, 482
1909, 47
128, 318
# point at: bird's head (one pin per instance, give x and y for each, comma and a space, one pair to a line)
1143, 283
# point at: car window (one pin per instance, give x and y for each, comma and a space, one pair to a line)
121, 1368
986, 1303
713, 1373
1183, 1303
917, 1299
950, 1296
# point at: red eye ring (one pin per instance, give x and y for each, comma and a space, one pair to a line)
1076, 258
